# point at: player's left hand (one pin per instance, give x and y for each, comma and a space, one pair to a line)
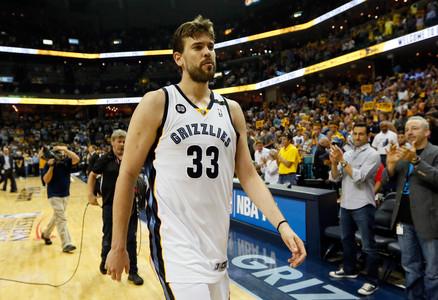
295, 245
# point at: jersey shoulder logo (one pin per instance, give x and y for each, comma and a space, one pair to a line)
180, 108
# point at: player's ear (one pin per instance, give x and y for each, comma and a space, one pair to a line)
178, 58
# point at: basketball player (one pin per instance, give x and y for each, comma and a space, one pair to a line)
193, 141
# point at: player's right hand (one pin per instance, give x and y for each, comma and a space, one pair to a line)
116, 261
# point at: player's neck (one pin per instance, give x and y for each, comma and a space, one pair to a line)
195, 91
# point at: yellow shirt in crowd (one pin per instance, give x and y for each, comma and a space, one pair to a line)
290, 153
42, 163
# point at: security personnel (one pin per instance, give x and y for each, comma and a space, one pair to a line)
108, 165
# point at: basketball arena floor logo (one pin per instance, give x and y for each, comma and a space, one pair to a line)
16, 227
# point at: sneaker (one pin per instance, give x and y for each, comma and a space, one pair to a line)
341, 274
47, 240
102, 267
68, 248
367, 289
137, 280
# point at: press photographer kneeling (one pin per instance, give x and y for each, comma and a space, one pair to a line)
56, 175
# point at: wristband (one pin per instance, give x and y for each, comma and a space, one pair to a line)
281, 222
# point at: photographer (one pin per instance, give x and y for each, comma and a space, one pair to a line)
108, 165
56, 175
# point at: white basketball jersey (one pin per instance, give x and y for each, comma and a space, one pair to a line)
191, 169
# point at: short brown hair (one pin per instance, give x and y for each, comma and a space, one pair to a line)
192, 29
362, 124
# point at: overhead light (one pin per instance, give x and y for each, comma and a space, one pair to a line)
72, 41
228, 31
117, 42
47, 42
298, 14
7, 79
250, 2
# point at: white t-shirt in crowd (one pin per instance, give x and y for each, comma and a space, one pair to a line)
259, 155
271, 171
382, 141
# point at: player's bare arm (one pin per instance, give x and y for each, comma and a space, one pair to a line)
141, 135
257, 190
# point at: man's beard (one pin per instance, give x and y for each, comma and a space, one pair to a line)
201, 76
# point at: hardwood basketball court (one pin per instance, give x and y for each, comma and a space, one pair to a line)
25, 257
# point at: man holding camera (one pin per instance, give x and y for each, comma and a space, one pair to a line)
56, 175
357, 169
108, 165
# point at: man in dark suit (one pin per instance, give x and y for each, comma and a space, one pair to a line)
7, 170
415, 172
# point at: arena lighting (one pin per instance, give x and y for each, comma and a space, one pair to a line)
251, 2
7, 79
75, 102
47, 42
73, 41
297, 14
264, 35
399, 42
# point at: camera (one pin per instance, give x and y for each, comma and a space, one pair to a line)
49, 153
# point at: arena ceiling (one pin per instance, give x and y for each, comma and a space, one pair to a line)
121, 14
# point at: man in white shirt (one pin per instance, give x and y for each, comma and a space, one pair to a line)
261, 153
384, 139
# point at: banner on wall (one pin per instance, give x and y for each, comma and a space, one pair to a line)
244, 210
